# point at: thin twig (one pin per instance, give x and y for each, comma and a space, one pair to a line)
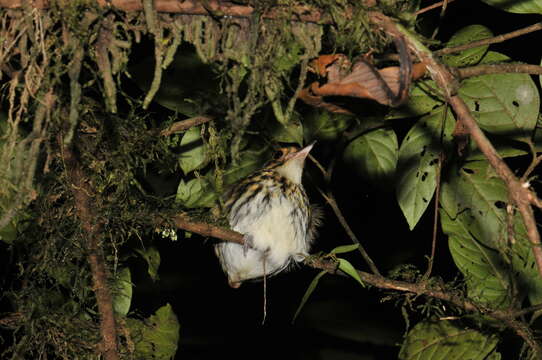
527, 310
435, 218
521, 196
478, 70
534, 163
183, 125
491, 40
330, 199
338, 213
423, 288
431, 7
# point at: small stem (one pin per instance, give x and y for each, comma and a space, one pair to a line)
331, 201
478, 70
534, 163
431, 7
491, 40
182, 125
435, 219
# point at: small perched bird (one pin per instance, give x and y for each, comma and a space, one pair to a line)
271, 209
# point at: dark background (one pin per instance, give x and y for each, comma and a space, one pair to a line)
341, 320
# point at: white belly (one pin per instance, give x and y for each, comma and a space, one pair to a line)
277, 232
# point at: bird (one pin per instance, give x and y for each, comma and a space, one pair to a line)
272, 210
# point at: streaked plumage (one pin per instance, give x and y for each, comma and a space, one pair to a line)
272, 210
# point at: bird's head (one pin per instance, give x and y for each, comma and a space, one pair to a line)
291, 161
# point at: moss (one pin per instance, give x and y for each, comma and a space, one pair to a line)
67, 64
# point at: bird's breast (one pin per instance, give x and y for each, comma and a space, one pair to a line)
275, 215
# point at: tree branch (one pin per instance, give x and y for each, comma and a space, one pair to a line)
478, 70
422, 288
184, 222
520, 195
83, 196
491, 40
431, 7
194, 7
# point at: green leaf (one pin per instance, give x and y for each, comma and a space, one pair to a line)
503, 104
195, 193
524, 264
192, 156
322, 125
418, 159
467, 35
485, 272
308, 293
156, 337
505, 147
422, 100
437, 340
123, 292
344, 249
152, 257
518, 7
8, 233
374, 155
345, 266
291, 132
475, 199
479, 195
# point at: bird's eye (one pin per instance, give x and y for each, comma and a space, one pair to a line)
279, 154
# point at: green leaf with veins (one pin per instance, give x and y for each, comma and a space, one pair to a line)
467, 35
502, 104
192, 154
518, 7
374, 156
156, 337
418, 160
432, 340
122, 292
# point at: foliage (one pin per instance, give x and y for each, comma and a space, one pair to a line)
66, 77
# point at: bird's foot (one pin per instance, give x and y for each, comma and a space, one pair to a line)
248, 243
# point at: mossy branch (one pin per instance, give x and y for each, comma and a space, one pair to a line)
84, 202
104, 64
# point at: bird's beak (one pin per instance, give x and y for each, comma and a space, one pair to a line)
302, 154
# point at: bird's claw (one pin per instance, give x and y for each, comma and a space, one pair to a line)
248, 243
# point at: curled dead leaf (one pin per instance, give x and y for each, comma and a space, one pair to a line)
388, 86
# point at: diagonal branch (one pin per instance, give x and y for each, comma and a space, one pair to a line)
424, 288
491, 40
520, 195
507, 317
